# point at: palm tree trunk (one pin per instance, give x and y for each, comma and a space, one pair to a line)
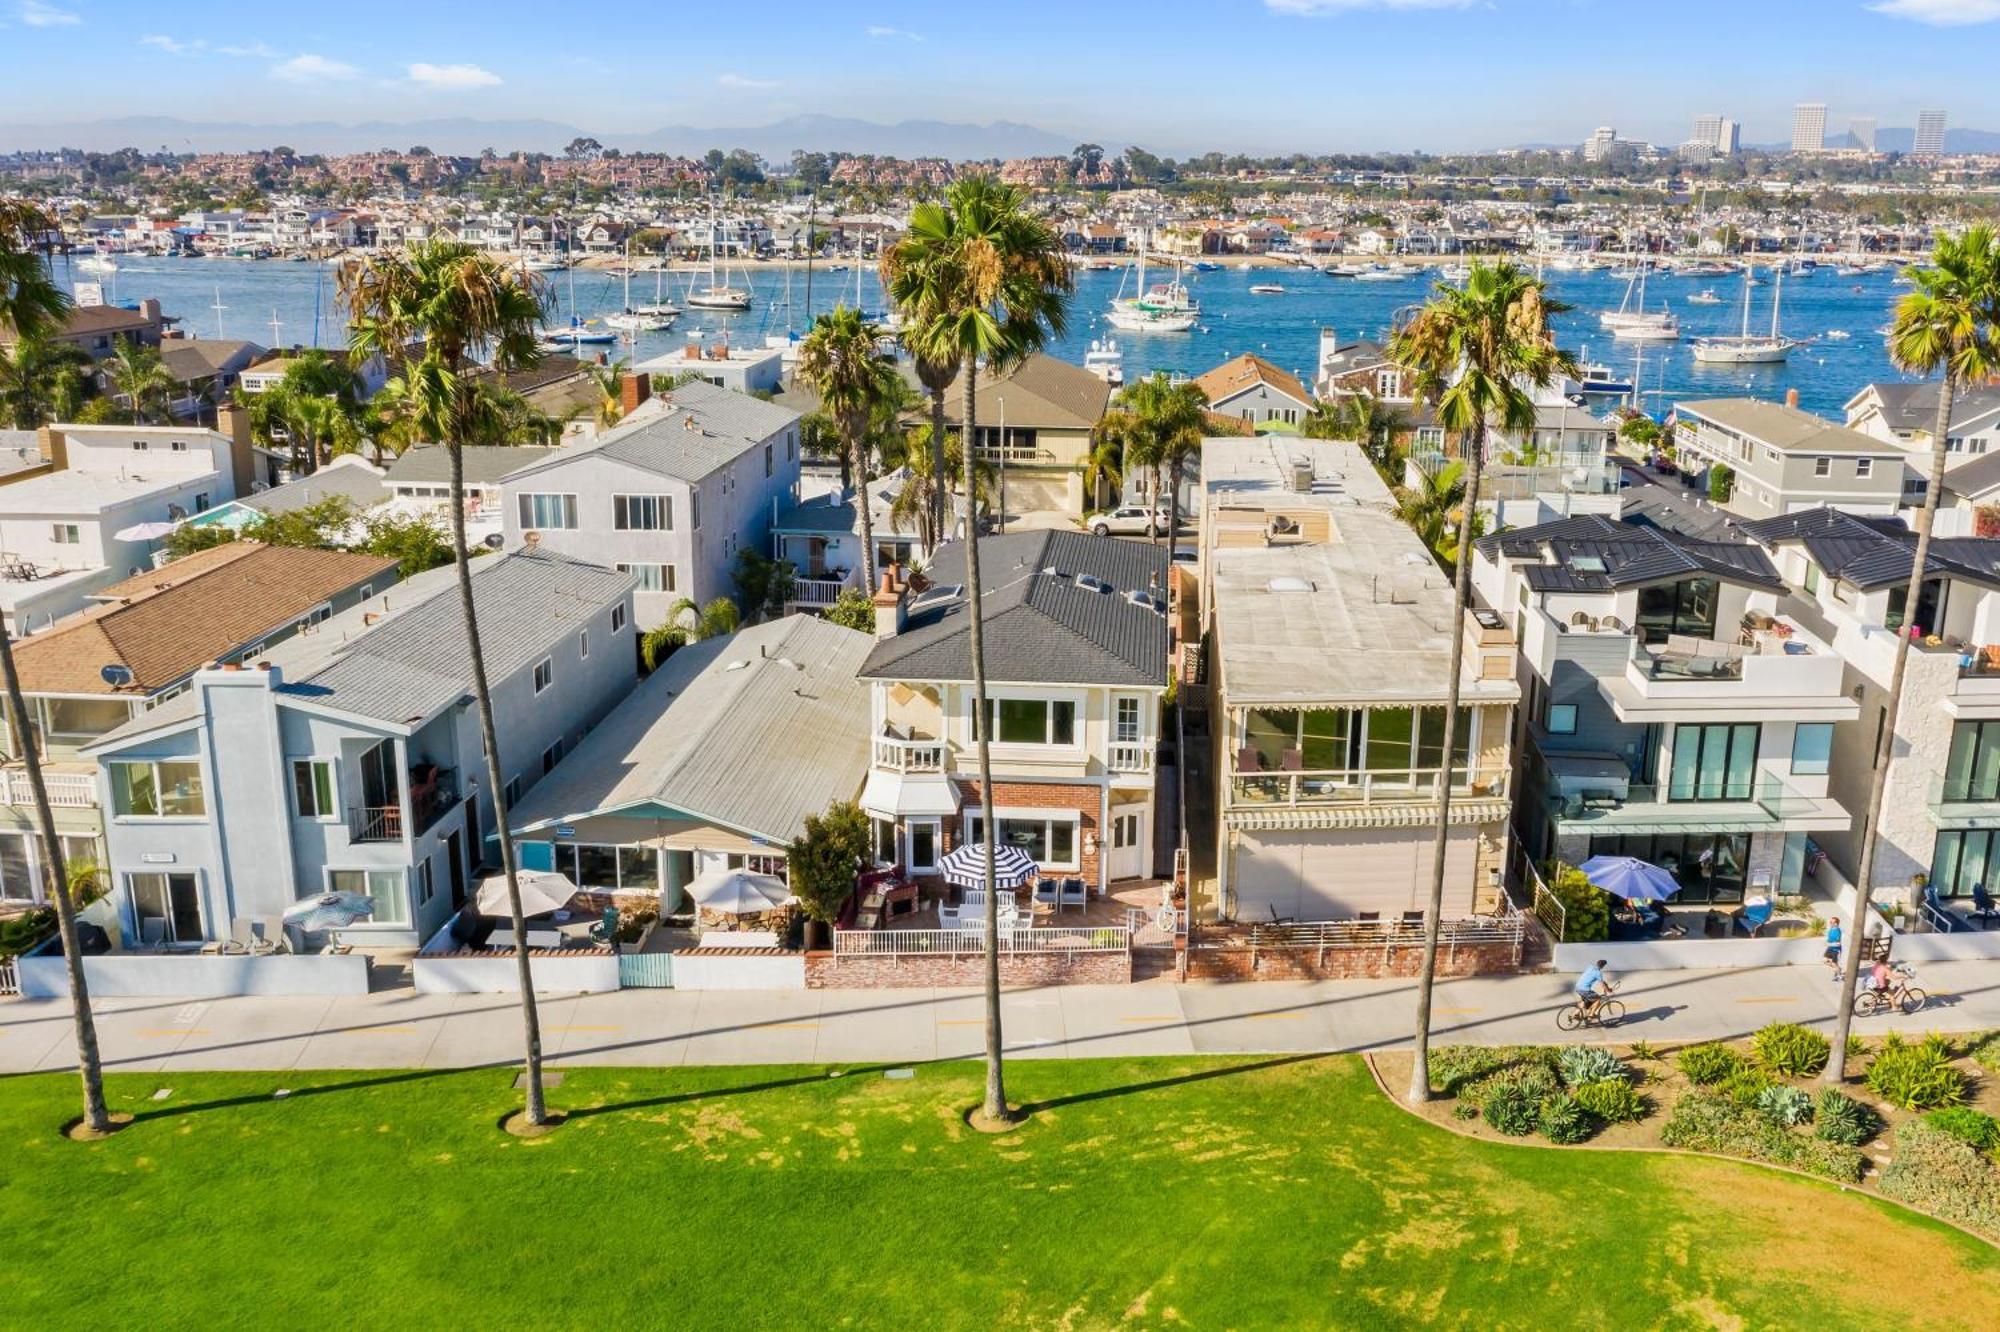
88, 1065
1153, 506
1885, 745
861, 507
1461, 592
940, 476
994, 1109
536, 1111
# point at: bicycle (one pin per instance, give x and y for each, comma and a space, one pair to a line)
1604, 1011
1900, 995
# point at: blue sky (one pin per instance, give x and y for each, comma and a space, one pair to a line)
1173, 75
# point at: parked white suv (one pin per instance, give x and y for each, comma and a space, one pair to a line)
1129, 520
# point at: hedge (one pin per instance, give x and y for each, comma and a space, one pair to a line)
1945, 1175
1707, 1122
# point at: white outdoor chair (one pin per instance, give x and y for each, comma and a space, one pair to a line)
947, 917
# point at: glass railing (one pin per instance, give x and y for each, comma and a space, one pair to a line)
1965, 790
1772, 797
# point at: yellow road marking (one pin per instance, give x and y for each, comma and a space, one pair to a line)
175, 1031
1770, 999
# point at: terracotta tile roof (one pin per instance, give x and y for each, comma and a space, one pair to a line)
174, 620
1245, 371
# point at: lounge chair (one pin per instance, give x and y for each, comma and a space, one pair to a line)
1983, 907
1755, 915
1941, 917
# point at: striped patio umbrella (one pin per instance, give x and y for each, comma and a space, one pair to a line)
966, 866
329, 911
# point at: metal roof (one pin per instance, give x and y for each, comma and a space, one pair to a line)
1875, 551
752, 731
1596, 553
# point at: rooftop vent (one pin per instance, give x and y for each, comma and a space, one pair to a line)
1093, 582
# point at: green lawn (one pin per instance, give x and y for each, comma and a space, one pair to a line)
1197, 1193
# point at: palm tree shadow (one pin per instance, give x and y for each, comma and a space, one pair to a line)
1177, 1080
165, 1111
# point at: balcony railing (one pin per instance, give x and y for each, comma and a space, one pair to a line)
384, 823
909, 756
1769, 801
1132, 756
67, 790
1360, 788
818, 593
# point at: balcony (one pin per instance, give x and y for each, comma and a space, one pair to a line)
1135, 756
1963, 803
909, 756
819, 593
384, 823
1776, 669
1614, 806
1358, 788
68, 789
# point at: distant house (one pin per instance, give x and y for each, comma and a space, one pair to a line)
98, 329
1785, 460
419, 482
1250, 388
821, 539
1037, 418
350, 477
349, 757
206, 370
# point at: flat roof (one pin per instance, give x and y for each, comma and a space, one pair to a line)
87, 492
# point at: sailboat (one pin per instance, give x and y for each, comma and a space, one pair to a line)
718, 294
631, 319
1632, 322
1747, 348
1165, 307
576, 333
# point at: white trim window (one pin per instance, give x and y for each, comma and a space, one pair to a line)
608, 865
583, 644
923, 836
652, 578
314, 792
617, 618
1048, 836
168, 789
166, 908
545, 674
546, 511
1126, 719
642, 513
1031, 721
383, 887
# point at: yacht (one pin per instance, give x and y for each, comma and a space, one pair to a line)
578, 334
1747, 348
1593, 379
1379, 273
1105, 361
1633, 322
1164, 307
1706, 268
1706, 296
720, 293
640, 319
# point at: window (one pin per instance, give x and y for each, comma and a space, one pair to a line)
1714, 762
694, 510
1972, 769
140, 446
545, 674
1812, 748
81, 718
583, 644
382, 887
767, 460
1050, 841
513, 793
312, 789
165, 907
609, 867
1562, 719
775, 866
1822, 467
367, 591
65, 534
923, 845
551, 756
791, 445
884, 831
165, 790
1125, 721
652, 578
617, 618
1864, 467
1812, 579
1963, 859
1033, 721
548, 511
421, 881
642, 513
200, 501
1710, 867
1685, 607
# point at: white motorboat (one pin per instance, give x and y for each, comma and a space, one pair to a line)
1267, 289
1662, 326
1105, 361
1747, 348
1380, 273
1594, 380
1706, 296
97, 263
1838, 335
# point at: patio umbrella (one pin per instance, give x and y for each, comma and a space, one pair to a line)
738, 892
329, 911
542, 891
965, 866
1629, 877
144, 531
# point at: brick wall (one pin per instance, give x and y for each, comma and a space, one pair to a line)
1238, 962
890, 973
1042, 795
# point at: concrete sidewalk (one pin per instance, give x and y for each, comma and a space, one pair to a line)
404, 1029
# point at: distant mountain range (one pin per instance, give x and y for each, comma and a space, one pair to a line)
776, 141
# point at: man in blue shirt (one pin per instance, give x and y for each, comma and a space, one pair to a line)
1832, 953
1591, 986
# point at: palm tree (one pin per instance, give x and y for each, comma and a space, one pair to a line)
42, 381
1472, 351
842, 363
33, 306
609, 381
1434, 508
1157, 425
926, 491
1103, 467
138, 375
688, 623
1950, 327
458, 302
1361, 417
978, 277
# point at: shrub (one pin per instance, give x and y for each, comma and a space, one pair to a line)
1454, 1068
1562, 1119
1586, 911
1788, 1106
1706, 1122
1745, 1085
1707, 1064
1789, 1050
1513, 1108
20, 933
1985, 1051
1644, 1052
1464, 1110
1966, 1124
1942, 1173
1612, 1100
1915, 1077
1579, 1064
1838, 1117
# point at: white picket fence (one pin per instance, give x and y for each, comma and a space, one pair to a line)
957, 943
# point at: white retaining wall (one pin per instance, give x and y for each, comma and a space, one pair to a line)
584, 973
192, 976
774, 971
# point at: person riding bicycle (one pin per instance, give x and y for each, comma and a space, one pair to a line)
1592, 987
1881, 976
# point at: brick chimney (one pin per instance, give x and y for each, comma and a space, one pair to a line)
53, 446
232, 422
892, 602
1792, 398
635, 389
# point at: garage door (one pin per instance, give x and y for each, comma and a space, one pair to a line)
1338, 875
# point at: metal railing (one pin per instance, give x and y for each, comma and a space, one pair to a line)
972, 939
1131, 756
818, 593
71, 790
9, 980
909, 755
1360, 788
1508, 928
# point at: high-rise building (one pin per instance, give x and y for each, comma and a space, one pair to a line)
1599, 145
1707, 129
1930, 134
1729, 137
1809, 127
1861, 133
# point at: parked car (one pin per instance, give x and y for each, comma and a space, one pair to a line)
1129, 520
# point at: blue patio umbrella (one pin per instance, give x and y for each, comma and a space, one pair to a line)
329, 911
965, 865
1629, 877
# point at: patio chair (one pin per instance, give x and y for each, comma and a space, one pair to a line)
947, 916
1755, 915
1983, 906
242, 936
1293, 761
1073, 892
1248, 760
1940, 916
1046, 892
271, 936
606, 929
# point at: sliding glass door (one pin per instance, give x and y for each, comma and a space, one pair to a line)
1714, 762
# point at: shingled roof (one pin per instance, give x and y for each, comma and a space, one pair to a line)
1058, 610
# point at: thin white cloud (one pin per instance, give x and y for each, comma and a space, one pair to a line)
256, 50
1322, 8
311, 69
745, 81
882, 32
173, 46
453, 78
41, 14
1941, 13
